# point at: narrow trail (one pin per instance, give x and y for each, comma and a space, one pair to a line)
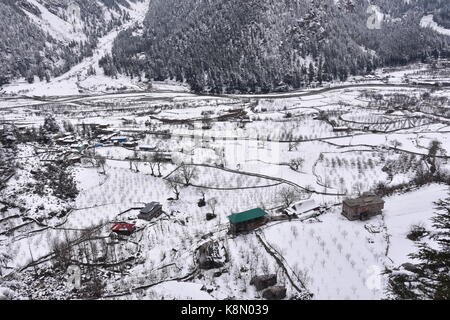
293, 278
296, 94
280, 180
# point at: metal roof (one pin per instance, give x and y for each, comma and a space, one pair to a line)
123, 227
364, 200
149, 207
247, 215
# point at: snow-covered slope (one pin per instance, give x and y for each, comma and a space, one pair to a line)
428, 22
46, 38
77, 80
57, 27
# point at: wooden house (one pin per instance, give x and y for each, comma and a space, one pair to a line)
150, 211
247, 221
123, 229
363, 208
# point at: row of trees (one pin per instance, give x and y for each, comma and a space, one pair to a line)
58, 178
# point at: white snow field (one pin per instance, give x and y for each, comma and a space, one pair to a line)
428, 22
244, 151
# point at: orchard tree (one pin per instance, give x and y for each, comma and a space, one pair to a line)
188, 173
101, 162
296, 164
289, 195
174, 185
212, 205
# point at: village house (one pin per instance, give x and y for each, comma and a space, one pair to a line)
150, 211
117, 140
247, 221
103, 126
163, 157
130, 144
301, 207
341, 129
66, 141
80, 147
123, 229
147, 148
363, 208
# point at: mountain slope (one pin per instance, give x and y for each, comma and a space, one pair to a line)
266, 45
45, 38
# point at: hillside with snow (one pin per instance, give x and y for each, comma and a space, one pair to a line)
245, 150
46, 38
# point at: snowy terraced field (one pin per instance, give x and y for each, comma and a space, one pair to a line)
286, 141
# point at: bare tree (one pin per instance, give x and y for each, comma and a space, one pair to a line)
293, 145
212, 204
101, 161
396, 144
188, 173
296, 164
289, 195
174, 183
158, 159
151, 163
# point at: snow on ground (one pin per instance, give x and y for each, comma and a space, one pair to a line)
428, 22
76, 81
337, 258
57, 27
332, 255
403, 211
178, 291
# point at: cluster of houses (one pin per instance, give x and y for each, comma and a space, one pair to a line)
106, 137
149, 212
361, 208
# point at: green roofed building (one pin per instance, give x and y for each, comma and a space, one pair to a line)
247, 220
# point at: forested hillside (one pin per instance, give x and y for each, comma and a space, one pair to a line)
45, 38
266, 45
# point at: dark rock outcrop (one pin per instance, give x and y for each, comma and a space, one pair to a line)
211, 255
275, 293
264, 281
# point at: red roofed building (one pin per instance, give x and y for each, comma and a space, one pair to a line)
124, 229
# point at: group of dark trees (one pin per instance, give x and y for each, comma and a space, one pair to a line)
267, 45
28, 51
441, 10
59, 178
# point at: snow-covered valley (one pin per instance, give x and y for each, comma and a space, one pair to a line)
130, 188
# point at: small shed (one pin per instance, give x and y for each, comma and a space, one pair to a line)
147, 148
302, 207
130, 144
123, 229
119, 139
341, 129
247, 220
363, 208
150, 211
